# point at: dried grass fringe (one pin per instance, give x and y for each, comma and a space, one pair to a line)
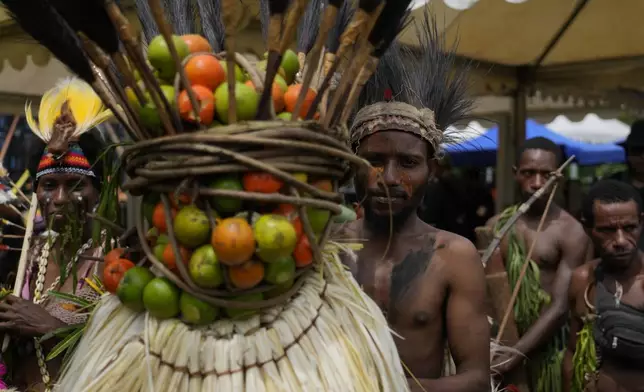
330, 337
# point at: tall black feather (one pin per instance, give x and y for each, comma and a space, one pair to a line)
40, 20
264, 17
445, 90
143, 11
345, 14
309, 26
211, 23
182, 15
393, 19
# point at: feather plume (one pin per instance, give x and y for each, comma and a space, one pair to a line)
393, 19
40, 20
345, 14
264, 17
445, 92
85, 106
143, 11
211, 23
309, 26
182, 15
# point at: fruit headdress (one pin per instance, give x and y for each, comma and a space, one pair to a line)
66, 112
417, 91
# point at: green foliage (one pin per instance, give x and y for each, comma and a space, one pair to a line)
585, 359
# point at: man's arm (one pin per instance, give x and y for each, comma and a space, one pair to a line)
574, 253
468, 330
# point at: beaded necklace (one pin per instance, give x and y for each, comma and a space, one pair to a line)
40, 297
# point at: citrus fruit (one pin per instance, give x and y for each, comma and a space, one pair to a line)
178, 201
290, 64
206, 102
302, 177
347, 215
195, 311
249, 216
277, 93
149, 113
205, 70
132, 99
160, 58
261, 182
279, 289
158, 217
161, 298
302, 254
247, 101
290, 99
227, 205
159, 250
233, 241
244, 313
279, 80
170, 257
113, 255
240, 75
286, 209
150, 200
130, 290
162, 239
275, 236
247, 275
280, 271
280, 71
204, 268
191, 226
113, 273
286, 116
325, 185
196, 43
318, 218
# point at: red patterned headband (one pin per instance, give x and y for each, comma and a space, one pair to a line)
73, 161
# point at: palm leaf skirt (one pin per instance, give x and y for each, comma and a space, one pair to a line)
329, 337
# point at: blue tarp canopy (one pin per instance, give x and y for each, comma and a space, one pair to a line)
481, 151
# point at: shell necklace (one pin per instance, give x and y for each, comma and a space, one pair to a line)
40, 297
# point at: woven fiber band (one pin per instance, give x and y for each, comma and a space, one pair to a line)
73, 161
399, 116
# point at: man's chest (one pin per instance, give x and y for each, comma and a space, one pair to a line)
547, 243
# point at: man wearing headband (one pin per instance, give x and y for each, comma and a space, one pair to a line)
429, 283
68, 183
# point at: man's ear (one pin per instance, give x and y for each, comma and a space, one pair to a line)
432, 164
514, 169
586, 226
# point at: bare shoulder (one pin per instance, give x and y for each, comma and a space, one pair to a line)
572, 227
582, 275
456, 252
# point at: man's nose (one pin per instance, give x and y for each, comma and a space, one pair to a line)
60, 196
390, 174
620, 239
538, 181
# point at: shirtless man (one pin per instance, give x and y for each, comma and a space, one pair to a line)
562, 246
429, 283
611, 288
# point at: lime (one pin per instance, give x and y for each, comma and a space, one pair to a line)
302, 177
150, 114
130, 290
247, 101
290, 64
132, 99
240, 76
227, 205
286, 116
158, 250
160, 58
161, 298
281, 83
162, 239
276, 237
280, 72
244, 313
196, 311
191, 227
250, 216
347, 215
204, 268
318, 218
280, 271
279, 289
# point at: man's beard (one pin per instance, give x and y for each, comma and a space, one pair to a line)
394, 221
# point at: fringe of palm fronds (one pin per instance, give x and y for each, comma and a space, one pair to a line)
330, 337
545, 369
531, 297
585, 359
71, 335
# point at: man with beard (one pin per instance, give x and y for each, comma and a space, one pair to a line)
634, 146
428, 282
605, 350
540, 310
68, 184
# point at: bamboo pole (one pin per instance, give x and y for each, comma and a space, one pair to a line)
7, 140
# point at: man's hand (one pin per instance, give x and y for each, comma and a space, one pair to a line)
24, 318
506, 362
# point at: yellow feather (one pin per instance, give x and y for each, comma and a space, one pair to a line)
31, 121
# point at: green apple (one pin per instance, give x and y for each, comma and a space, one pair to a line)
149, 114
291, 65
160, 57
281, 82
261, 65
247, 101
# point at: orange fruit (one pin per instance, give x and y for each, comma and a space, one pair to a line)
206, 101
302, 254
170, 258
180, 201
261, 182
285, 209
234, 241
290, 99
113, 255
158, 218
196, 43
113, 273
277, 93
325, 185
247, 275
205, 70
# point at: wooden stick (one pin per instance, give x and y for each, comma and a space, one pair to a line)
7, 140
22, 264
526, 264
522, 209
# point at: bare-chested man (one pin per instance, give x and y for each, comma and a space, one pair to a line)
429, 283
541, 307
607, 297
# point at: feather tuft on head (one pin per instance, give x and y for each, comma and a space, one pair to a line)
66, 111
